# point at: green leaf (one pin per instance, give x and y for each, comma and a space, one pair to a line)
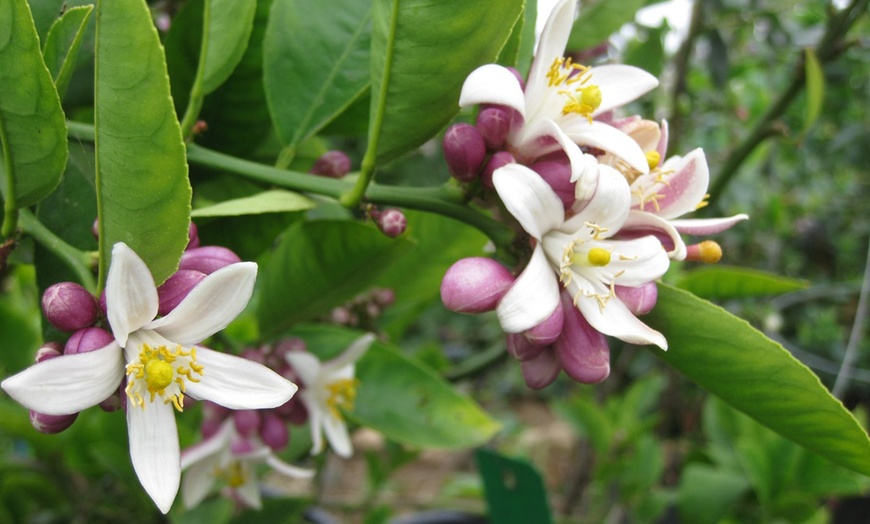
315, 63
143, 193
421, 53
62, 45
517, 51
32, 125
601, 20
720, 282
815, 89
272, 201
734, 361
318, 266
707, 494
229, 27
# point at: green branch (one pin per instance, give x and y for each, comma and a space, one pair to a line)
194, 103
81, 263
10, 206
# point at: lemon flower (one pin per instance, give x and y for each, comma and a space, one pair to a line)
161, 364
328, 388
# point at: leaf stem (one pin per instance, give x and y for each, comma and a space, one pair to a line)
194, 103
10, 204
78, 261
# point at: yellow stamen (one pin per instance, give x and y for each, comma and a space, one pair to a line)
164, 372
342, 394
234, 474
598, 256
708, 252
652, 159
158, 374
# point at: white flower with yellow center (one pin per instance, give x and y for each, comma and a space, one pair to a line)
161, 365
328, 389
561, 99
579, 254
229, 459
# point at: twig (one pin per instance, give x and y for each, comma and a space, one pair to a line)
855, 336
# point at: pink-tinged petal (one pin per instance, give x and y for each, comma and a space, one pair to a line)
154, 450
249, 492
641, 223
337, 435
493, 84
620, 84
549, 330
662, 147
707, 226
551, 46
639, 300
287, 469
210, 306
533, 297
131, 296
636, 261
608, 206
306, 366
607, 138
685, 188
529, 199
198, 480
353, 353
238, 383
617, 321
208, 447
540, 371
519, 347
68, 383
582, 351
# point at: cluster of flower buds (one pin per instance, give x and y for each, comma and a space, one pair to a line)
595, 196
363, 310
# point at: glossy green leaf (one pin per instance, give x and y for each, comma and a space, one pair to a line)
597, 22
402, 398
815, 79
62, 45
421, 53
229, 27
517, 51
317, 266
734, 361
272, 201
720, 282
32, 125
315, 63
143, 193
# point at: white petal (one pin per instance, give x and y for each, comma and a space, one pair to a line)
306, 366
607, 138
493, 84
608, 207
617, 321
249, 492
686, 185
238, 383
707, 226
69, 383
288, 470
131, 296
662, 147
637, 261
198, 481
551, 46
533, 297
353, 353
210, 306
316, 414
154, 450
529, 199
209, 447
641, 223
337, 435
620, 84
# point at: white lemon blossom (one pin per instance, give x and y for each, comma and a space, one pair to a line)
161, 364
328, 388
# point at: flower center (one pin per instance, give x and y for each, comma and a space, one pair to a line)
234, 474
342, 394
161, 371
652, 159
583, 98
598, 256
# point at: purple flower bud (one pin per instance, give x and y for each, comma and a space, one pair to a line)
48, 350
88, 339
502, 158
51, 424
207, 259
582, 351
558, 175
241, 446
254, 355
464, 151
333, 164
519, 77
176, 288
192, 236
114, 402
247, 422
540, 371
392, 222
293, 412
210, 427
638, 300
520, 348
385, 297
69, 306
475, 285
549, 330
494, 124
273, 432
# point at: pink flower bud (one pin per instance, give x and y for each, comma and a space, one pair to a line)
192, 236
293, 412
502, 158
519, 77
88, 339
51, 424
273, 432
385, 297
48, 350
638, 300
333, 164
549, 330
247, 422
494, 124
520, 348
69, 306
475, 285
114, 402
210, 427
254, 355
392, 222
540, 371
207, 259
558, 175
582, 351
176, 288
241, 446
464, 151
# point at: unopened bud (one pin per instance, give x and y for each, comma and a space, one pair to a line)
51, 424
639, 300
475, 285
176, 288
392, 222
582, 350
192, 236
518, 76
48, 350
207, 259
333, 164
385, 297
557, 174
520, 348
502, 158
247, 421
708, 252
494, 124
200, 126
69, 306
464, 151
549, 330
540, 371
115, 401
273, 432
293, 412
241, 446
86, 340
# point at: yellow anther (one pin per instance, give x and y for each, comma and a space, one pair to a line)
591, 96
234, 474
596, 230
652, 159
158, 374
598, 256
342, 394
164, 372
703, 202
